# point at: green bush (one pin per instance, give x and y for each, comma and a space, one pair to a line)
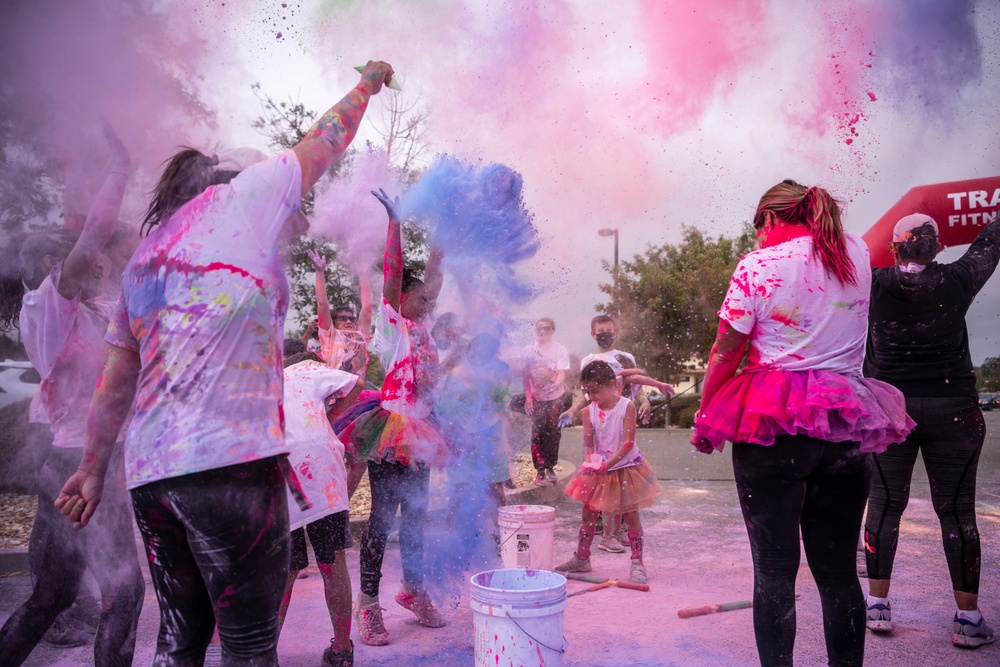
683, 409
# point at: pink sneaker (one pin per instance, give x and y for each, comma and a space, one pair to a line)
417, 601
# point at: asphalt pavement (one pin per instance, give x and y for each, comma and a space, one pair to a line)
696, 553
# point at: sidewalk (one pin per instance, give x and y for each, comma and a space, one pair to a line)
696, 553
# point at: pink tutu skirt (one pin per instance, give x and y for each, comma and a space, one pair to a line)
616, 491
758, 406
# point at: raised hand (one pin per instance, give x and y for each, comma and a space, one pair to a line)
391, 205
376, 75
120, 158
319, 262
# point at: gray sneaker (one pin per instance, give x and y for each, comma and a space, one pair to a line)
637, 575
611, 545
574, 564
550, 476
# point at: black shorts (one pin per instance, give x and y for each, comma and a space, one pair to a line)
327, 536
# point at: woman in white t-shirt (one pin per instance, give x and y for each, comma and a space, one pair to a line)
196, 345
545, 366
802, 418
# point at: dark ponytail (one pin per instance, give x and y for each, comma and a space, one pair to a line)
187, 175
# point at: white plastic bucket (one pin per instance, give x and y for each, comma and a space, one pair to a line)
518, 618
526, 533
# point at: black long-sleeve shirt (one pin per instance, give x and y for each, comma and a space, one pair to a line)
917, 337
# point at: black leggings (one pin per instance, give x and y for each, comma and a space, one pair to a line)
395, 486
217, 545
59, 556
821, 487
545, 433
949, 434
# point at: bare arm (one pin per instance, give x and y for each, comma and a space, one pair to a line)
365, 313
392, 260
723, 361
101, 220
322, 302
112, 400
327, 140
588, 436
341, 405
433, 276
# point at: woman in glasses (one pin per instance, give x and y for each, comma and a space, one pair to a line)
343, 336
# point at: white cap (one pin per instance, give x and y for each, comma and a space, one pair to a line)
906, 225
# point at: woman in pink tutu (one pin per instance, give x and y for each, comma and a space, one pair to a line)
614, 478
802, 418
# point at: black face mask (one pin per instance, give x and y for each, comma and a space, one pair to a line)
605, 339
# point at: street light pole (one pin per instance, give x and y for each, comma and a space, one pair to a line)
612, 231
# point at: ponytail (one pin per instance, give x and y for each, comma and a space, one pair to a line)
813, 207
187, 175
829, 243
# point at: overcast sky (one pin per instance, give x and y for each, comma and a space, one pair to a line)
645, 116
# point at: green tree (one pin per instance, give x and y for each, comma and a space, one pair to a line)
667, 299
988, 375
284, 124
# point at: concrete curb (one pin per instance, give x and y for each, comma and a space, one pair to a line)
13, 560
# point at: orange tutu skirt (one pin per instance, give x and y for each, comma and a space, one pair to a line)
616, 491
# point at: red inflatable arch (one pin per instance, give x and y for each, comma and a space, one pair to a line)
960, 208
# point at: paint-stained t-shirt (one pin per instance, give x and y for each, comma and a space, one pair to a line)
203, 303
410, 358
918, 340
798, 316
64, 339
543, 365
315, 453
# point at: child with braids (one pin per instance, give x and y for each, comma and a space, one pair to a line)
614, 478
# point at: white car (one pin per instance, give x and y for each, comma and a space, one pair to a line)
18, 381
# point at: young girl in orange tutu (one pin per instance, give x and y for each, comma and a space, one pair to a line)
614, 477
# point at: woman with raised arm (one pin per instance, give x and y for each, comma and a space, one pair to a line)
62, 322
801, 418
919, 343
196, 344
343, 336
397, 437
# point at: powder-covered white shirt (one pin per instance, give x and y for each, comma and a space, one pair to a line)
203, 303
543, 367
315, 453
609, 432
64, 339
798, 316
410, 358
